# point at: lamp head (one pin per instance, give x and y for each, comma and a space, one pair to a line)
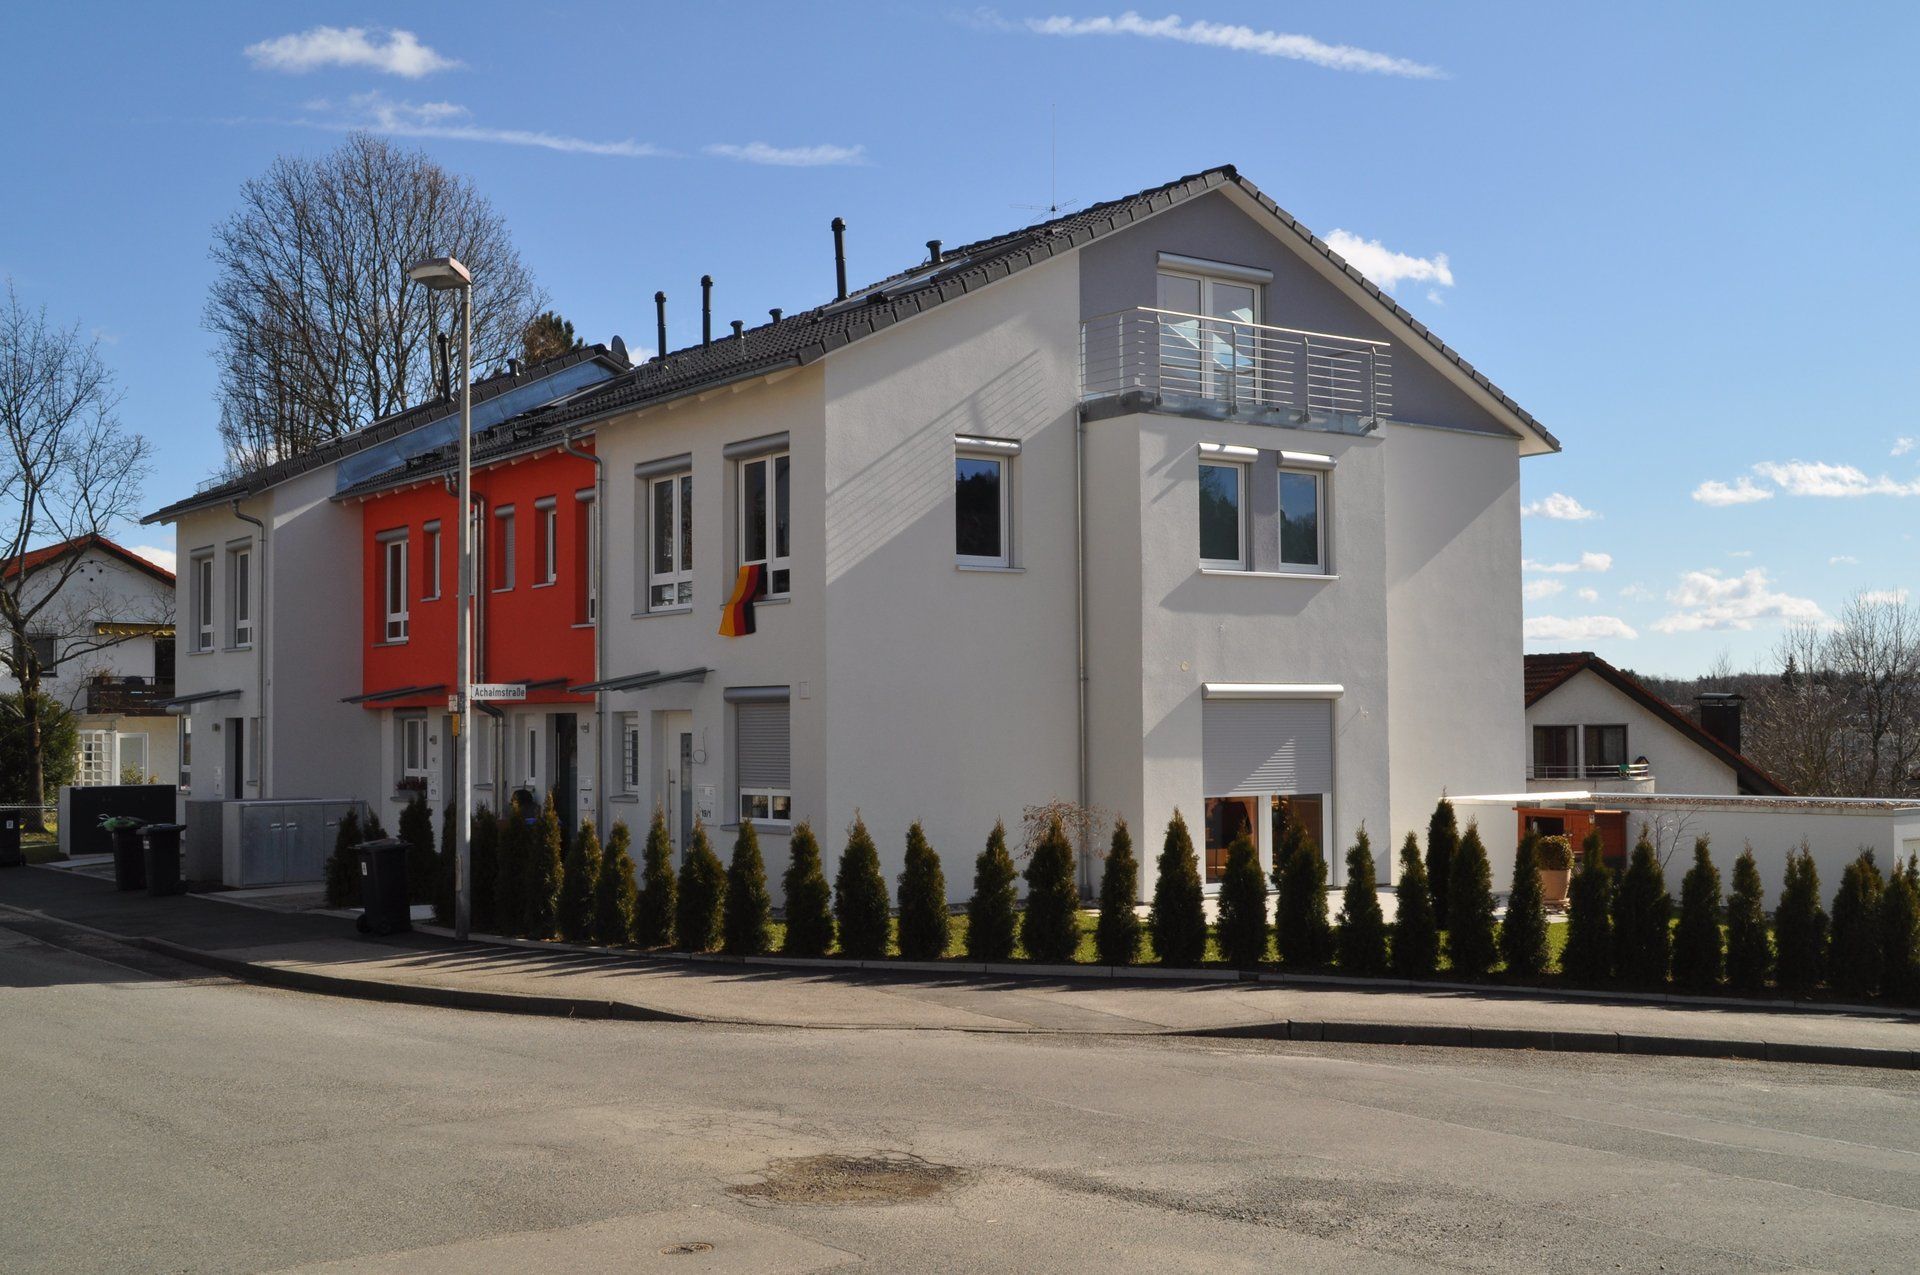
442, 274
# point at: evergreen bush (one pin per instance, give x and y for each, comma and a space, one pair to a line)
658, 903
1853, 954
483, 861
1800, 926
1302, 933
924, 923
445, 868
1416, 934
1116, 935
992, 921
1242, 928
1178, 918
1642, 910
1698, 955
860, 897
1523, 934
511, 863
1361, 935
1749, 953
343, 865
699, 896
545, 871
808, 897
616, 891
1588, 955
748, 914
1443, 839
1900, 935
416, 829
1471, 949
1050, 927
579, 883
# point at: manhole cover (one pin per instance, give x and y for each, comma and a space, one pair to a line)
887, 1178
689, 1246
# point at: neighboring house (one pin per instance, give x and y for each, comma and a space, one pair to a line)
106, 647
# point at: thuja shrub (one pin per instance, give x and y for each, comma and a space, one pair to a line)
700, 894
1900, 935
515, 852
1443, 839
546, 870
1698, 955
1242, 928
860, 897
1360, 937
616, 891
1642, 909
1523, 935
483, 862
924, 923
445, 869
1749, 952
1116, 935
1853, 956
1588, 955
343, 865
1050, 926
1416, 932
416, 829
1301, 931
1178, 918
1471, 949
658, 903
1800, 925
808, 897
747, 918
579, 881
992, 919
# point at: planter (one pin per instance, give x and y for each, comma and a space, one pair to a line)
1553, 885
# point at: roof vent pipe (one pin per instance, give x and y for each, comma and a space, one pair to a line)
706, 309
933, 251
513, 367
775, 312
840, 257
739, 330
660, 320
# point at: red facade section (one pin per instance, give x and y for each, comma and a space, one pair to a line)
535, 629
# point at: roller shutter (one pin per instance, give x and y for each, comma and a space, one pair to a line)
1277, 745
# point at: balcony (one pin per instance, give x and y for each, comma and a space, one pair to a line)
1145, 360
1632, 777
128, 696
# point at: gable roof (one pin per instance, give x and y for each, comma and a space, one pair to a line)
388, 427
1546, 673
34, 559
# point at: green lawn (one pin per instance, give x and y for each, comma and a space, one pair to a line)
41, 847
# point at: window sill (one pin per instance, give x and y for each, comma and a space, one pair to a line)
1271, 575
543, 584
659, 611
393, 642
505, 588
626, 798
779, 827
239, 646
585, 624
990, 570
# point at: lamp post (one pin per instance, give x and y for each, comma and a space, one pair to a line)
446, 274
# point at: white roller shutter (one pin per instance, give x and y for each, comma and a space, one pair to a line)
1266, 745
762, 747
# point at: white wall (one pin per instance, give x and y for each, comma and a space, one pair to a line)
1679, 763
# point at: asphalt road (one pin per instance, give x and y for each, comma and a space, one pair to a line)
154, 1119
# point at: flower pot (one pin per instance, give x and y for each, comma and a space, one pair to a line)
1553, 885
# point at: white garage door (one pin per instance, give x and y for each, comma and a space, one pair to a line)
1278, 745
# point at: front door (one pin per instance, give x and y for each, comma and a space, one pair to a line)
566, 779
676, 776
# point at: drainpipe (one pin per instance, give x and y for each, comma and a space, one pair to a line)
599, 631
1080, 634
259, 651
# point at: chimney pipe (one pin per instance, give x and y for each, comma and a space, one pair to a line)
660, 320
1719, 714
933, 251
706, 309
739, 331
446, 370
513, 367
775, 312
840, 257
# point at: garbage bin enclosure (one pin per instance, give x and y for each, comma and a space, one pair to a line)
161, 845
129, 860
383, 887
10, 855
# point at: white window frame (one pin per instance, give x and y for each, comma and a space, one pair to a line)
394, 587
203, 636
120, 739
504, 520
590, 502
774, 561
240, 594
1319, 475
413, 731
548, 511
184, 747
432, 561
769, 800
1222, 459
678, 579
1001, 454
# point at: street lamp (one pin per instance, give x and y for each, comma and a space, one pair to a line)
446, 274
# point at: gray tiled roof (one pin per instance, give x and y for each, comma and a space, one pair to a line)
802, 338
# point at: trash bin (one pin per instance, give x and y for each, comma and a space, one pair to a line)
129, 859
383, 887
160, 845
10, 856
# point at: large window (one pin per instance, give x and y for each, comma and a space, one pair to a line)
1223, 540
1302, 542
46, 650
203, 602
547, 512
240, 593
670, 556
393, 557
1228, 819
132, 759
1553, 753
982, 490
503, 547
765, 519
413, 753
1208, 343
1606, 751
762, 759
431, 566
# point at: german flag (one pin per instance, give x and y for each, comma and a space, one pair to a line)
736, 617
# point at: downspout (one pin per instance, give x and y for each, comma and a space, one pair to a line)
1080, 634
599, 631
260, 653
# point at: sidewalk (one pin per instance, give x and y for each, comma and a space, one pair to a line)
323, 952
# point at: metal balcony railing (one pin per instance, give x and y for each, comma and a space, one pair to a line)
128, 696
1628, 771
1193, 364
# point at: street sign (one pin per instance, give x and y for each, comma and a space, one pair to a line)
499, 690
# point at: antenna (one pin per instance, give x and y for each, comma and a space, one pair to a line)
1053, 204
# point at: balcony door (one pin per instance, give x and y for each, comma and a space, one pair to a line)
1208, 345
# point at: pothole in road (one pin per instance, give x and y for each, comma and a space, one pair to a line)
890, 1177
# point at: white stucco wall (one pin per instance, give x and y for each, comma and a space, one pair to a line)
1680, 764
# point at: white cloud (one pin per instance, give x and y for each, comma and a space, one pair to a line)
1636, 592
401, 53
1843, 560
1577, 628
1904, 444
1385, 266
1817, 478
1883, 597
1220, 35
377, 113
790, 156
1560, 507
155, 554
1739, 553
1720, 495
1588, 595
1588, 562
1708, 600
1433, 295
1534, 590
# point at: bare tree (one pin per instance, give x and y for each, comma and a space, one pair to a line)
318, 330
69, 472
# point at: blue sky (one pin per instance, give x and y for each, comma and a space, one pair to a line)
1683, 237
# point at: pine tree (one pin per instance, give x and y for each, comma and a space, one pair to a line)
1800, 926
992, 921
1302, 933
1749, 954
1853, 956
616, 892
343, 865
444, 871
1470, 938
579, 883
860, 897
748, 913
699, 896
510, 885
545, 871
657, 904
1698, 955
416, 829
808, 897
483, 862
1178, 919
1050, 927
1523, 935
924, 922
1242, 927
1900, 936
1416, 935
1116, 935
1361, 935
1443, 839
1642, 910
1588, 956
